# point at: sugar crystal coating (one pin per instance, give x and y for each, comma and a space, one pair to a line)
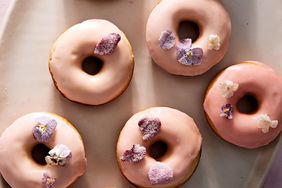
135, 154
44, 128
160, 173
149, 127
167, 40
108, 44
48, 181
227, 111
187, 55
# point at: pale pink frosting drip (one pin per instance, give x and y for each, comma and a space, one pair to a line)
211, 18
178, 130
16, 163
259, 80
79, 42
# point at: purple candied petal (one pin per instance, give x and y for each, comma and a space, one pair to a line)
51, 123
180, 54
195, 59
149, 127
48, 181
167, 40
160, 173
184, 60
135, 154
227, 111
184, 44
230, 107
45, 120
50, 126
197, 56
182, 51
38, 135
108, 44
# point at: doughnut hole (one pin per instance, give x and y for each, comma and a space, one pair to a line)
248, 104
188, 29
92, 65
158, 149
39, 152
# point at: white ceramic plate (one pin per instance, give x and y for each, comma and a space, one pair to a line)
25, 85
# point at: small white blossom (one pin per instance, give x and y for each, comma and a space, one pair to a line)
228, 88
264, 122
59, 155
214, 42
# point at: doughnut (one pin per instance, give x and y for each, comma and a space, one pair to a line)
65, 161
261, 123
184, 56
176, 131
112, 59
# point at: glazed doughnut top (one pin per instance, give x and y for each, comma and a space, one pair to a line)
80, 42
65, 162
252, 129
143, 129
184, 56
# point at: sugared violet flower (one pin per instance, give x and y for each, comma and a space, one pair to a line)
149, 127
160, 173
227, 111
167, 40
108, 44
48, 181
44, 128
135, 154
187, 55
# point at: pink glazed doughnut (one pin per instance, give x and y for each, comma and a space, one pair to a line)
160, 124
187, 57
64, 163
92, 38
255, 128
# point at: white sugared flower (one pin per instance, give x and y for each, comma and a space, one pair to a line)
264, 122
228, 88
214, 42
59, 155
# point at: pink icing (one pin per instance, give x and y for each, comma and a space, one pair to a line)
178, 130
16, 164
78, 43
243, 130
212, 19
